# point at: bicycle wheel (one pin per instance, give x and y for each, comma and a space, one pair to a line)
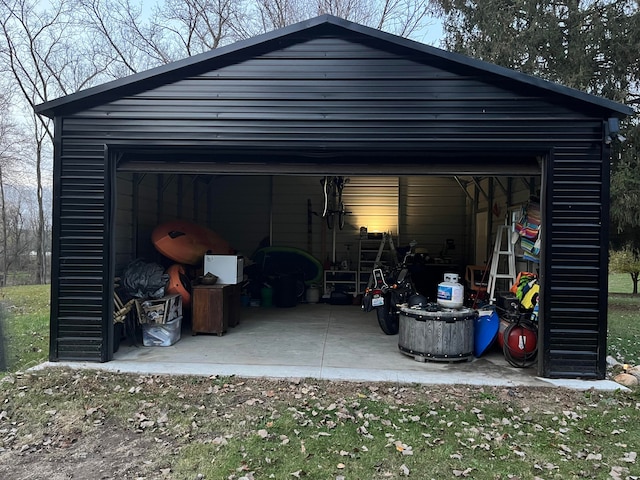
331, 218
341, 215
325, 191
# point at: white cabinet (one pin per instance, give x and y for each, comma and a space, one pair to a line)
340, 280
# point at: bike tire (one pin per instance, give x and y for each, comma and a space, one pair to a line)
331, 219
389, 321
341, 215
325, 191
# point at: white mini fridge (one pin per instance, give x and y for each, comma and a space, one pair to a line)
228, 268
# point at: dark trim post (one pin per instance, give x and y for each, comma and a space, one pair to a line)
54, 324
108, 279
603, 299
546, 207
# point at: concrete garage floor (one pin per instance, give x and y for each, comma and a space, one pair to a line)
318, 341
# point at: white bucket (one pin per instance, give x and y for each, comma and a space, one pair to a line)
313, 294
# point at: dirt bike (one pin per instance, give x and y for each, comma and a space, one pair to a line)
389, 290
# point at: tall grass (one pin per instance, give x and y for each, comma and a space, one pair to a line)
620, 283
26, 325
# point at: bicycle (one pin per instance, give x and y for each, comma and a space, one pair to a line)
333, 205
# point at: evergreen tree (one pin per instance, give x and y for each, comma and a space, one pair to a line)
590, 45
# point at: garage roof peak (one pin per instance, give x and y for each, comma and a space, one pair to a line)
297, 33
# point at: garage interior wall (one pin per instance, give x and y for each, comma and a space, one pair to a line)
247, 210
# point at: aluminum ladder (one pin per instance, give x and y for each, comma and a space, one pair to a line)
508, 251
386, 238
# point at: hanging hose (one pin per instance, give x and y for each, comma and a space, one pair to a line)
520, 343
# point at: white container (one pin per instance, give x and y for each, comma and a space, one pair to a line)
450, 292
228, 268
313, 294
161, 334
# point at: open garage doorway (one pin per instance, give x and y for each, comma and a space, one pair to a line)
325, 339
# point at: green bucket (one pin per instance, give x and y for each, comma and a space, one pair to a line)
266, 297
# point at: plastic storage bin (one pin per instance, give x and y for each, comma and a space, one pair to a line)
161, 334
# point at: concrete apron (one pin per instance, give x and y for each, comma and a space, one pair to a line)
319, 341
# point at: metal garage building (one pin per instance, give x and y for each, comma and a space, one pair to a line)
209, 138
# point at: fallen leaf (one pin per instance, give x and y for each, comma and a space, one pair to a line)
617, 472
463, 473
262, 433
629, 457
404, 470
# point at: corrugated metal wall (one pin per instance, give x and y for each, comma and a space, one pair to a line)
80, 266
433, 209
247, 209
575, 254
347, 93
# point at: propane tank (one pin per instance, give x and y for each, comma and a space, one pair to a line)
450, 292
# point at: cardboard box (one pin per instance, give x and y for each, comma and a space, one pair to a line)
159, 310
228, 268
161, 335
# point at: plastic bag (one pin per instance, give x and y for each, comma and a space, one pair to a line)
145, 280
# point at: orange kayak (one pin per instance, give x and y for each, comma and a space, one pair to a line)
179, 283
186, 242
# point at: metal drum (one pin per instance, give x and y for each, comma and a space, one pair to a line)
436, 333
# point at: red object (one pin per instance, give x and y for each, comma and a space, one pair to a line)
521, 341
186, 242
504, 324
179, 283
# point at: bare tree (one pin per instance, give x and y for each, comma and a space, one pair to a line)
400, 17
196, 26
124, 36
47, 56
133, 39
11, 173
51, 49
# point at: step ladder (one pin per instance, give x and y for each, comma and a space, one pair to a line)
501, 250
387, 238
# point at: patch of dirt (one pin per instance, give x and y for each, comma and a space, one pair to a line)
105, 453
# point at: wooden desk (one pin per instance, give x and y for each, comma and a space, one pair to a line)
214, 308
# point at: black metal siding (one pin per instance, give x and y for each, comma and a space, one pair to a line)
334, 95
81, 305
575, 277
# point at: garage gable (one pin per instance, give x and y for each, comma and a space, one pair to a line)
339, 41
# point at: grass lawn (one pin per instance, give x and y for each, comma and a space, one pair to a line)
26, 326
59, 423
623, 340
